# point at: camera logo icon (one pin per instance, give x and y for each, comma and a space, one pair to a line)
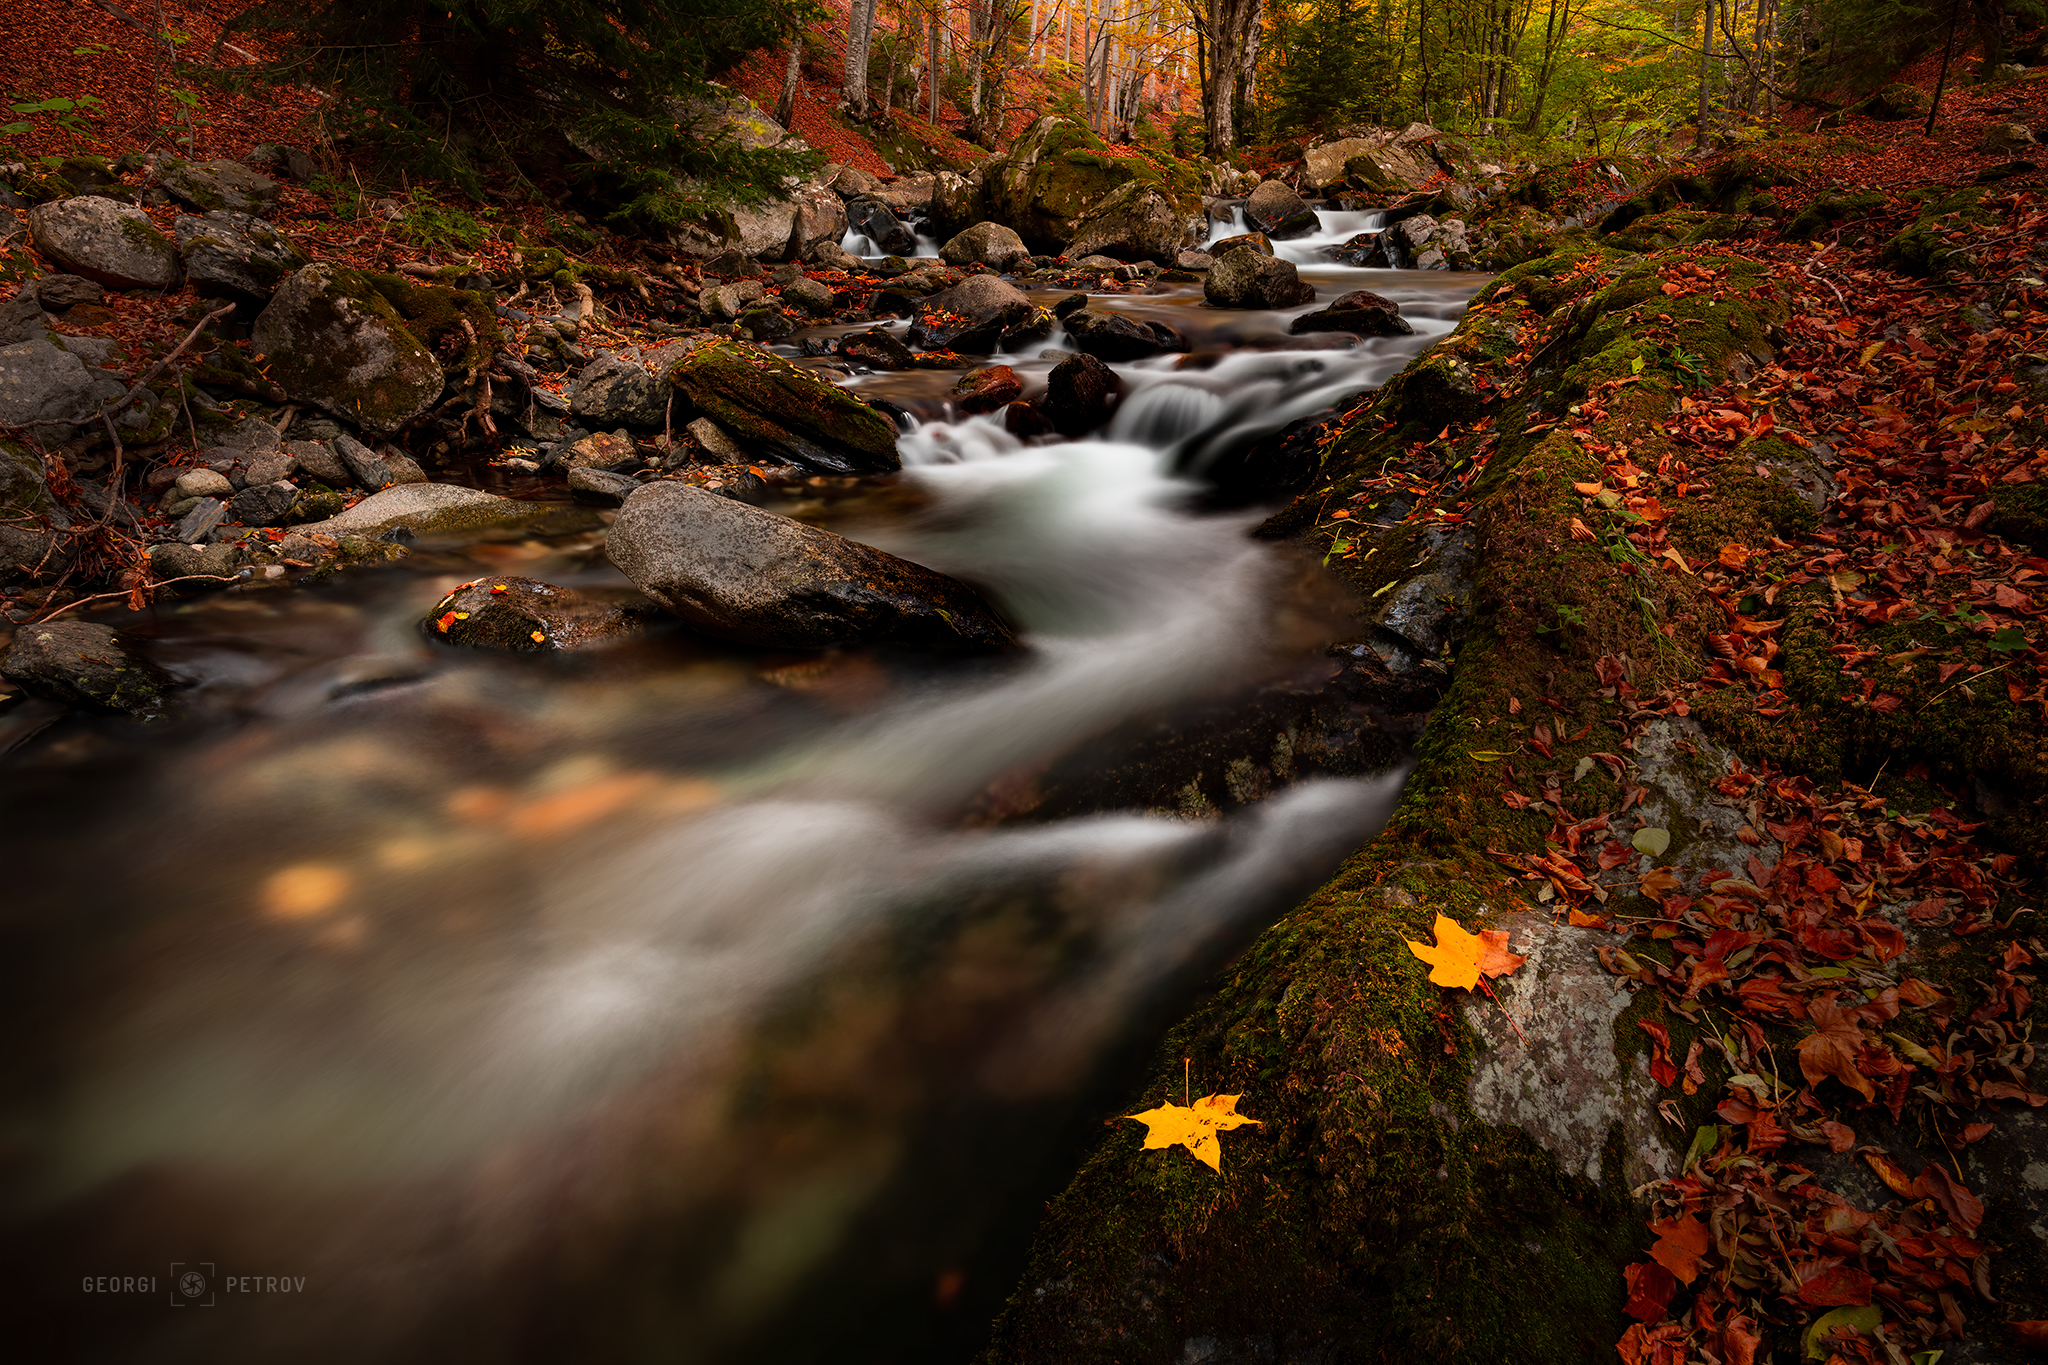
191, 1284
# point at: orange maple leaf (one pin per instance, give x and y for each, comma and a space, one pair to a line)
1460, 958
1193, 1126
1681, 1241
1830, 1050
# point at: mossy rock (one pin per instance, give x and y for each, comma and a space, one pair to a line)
334, 338
1740, 183
1919, 250
783, 412
1832, 210
1896, 101
1736, 316
1682, 227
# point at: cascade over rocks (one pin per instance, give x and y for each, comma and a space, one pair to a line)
1244, 278
106, 241
743, 574
874, 220
335, 342
785, 413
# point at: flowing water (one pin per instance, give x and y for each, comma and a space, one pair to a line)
675, 1001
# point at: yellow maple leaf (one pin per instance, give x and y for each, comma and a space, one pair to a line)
1193, 1126
1458, 958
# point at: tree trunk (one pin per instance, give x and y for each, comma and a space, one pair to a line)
785, 108
1706, 60
860, 32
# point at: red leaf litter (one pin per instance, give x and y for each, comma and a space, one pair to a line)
80, 49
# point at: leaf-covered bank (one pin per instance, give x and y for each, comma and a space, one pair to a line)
1728, 539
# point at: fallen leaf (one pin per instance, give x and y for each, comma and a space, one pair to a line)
1650, 1287
1458, 958
1651, 841
1680, 1243
1813, 1342
1193, 1126
1830, 1050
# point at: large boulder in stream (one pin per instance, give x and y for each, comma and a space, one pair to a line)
1279, 212
1053, 174
989, 244
1360, 311
979, 314
1118, 336
333, 341
785, 414
1080, 395
81, 663
743, 574
1133, 222
1244, 278
874, 220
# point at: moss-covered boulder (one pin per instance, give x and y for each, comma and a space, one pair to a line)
1058, 170
83, 664
1922, 247
211, 185
234, 255
1133, 222
781, 413
334, 341
106, 241
1897, 101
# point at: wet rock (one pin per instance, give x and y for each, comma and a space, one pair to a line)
605, 450
721, 448
208, 185
1069, 305
985, 243
203, 483
1080, 395
1360, 311
728, 301
978, 314
105, 240
1026, 420
1133, 222
614, 391
874, 220
987, 389
59, 292
234, 255
367, 468
1242, 278
318, 458
1433, 245
1116, 336
956, 203
808, 295
83, 664
48, 389
333, 341
269, 468
766, 323
1193, 260
832, 256
786, 413
1257, 241
448, 509
744, 574
851, 182
1280, 213
1386, 672
601, 487
200, 519
264, 504
877, 349
527, 615
1364, 249
175, 559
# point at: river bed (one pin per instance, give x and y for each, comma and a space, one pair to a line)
673, 1001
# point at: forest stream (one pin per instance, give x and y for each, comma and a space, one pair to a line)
680, 1000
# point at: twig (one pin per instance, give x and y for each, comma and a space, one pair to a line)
101, 597
125, 399
1488, 988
